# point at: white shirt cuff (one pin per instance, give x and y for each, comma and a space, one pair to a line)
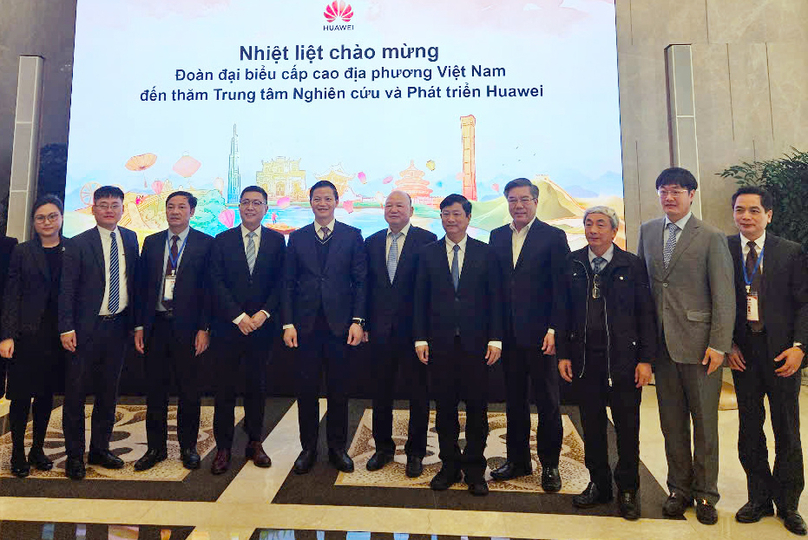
288, 326
551, 331
495, 344
421, 343
239, 318
67, 333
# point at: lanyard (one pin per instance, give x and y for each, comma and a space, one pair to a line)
174, 262
746, 277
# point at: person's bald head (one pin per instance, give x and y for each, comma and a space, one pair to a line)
398, 210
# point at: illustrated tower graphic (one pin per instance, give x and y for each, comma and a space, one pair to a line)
233, 174
467, 130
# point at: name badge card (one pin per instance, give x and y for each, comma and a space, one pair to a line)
168, 290
752, 313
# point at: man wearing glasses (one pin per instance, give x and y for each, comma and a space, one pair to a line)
531, 256
324, 307
246, 270
691, 276
98, 276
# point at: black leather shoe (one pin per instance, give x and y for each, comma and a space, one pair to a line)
105, 458
340, 460
255, 452
38, 459
379, 460
793, 522
592, 496
415, 466
706, 512
629, 505
151, 458
511, 470
305, 461
676, 504
550, 479
221, 462
74, 468
478, 488
20, 467
445, 479
190, 459
752, 511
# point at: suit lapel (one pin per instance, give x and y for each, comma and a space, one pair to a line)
770, 263
98, 251
444, 258
531, 238
337, 239
380, 257
38, 253
406, 251
469, 260
690, 232
308, 250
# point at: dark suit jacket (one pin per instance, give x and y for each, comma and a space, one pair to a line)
27, 290
784, 294
532, 290
390, 306
476, 307
339, 288
235, 291
84, 279
191, 292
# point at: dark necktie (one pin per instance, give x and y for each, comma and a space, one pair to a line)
670, 245
455, 267
170, 268
597, 262
751, 265
114, 293
325, 232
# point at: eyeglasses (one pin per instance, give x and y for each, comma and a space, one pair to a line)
663, 193
42, 218
246, 203
452, 214
105, 206
596, 287
524, 200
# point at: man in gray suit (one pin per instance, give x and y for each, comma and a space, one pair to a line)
691, 276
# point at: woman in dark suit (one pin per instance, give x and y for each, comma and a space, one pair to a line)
29, 333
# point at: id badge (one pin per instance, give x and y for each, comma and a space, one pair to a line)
168, 290
752, 313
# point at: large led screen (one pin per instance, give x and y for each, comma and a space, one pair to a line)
427, 96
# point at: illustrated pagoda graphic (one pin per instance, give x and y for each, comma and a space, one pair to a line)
413, 184
337, 176
233, 174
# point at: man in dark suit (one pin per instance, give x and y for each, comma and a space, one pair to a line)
690, 274
768, 349
246, 278
172, 319
457, 325
531, 256
95, 319
7, 244
324, 307
392, 261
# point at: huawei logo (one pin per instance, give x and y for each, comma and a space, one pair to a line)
338, 10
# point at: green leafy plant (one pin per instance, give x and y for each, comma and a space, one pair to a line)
787, 180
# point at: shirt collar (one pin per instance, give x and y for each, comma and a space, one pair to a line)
525, 229
682, 222
245, 231
403, 231
606, 256
182, 235
318, 227
759, 243
450, 245
106, 231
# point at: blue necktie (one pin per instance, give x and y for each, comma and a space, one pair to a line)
392, 256
597, 261
455, 267
670, 245
114, 284
251, 251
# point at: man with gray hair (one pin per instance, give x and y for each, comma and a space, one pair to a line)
605, 349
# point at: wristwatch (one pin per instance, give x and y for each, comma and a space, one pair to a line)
359, 321
802, 347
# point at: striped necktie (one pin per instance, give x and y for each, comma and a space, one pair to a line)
392, 256
114, 278
251, 251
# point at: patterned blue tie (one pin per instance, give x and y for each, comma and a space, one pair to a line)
670, 245
251, 251
455, 267
114, 283
597, 261
392, 256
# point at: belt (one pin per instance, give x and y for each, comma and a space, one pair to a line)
117, 316
756, 332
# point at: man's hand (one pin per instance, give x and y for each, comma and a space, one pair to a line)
246, 325
139, 345
201, 342
548, 345
793, 360
423, 353
712, 359
290, 336
7, 348
492, 355
565, 369
259, 319
69, 341
735, 358
642, 374
355, 333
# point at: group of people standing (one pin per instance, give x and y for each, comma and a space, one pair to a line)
439, 313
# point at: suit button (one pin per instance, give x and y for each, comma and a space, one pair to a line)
665, 284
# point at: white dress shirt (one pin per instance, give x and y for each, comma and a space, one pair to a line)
681, 224
319, 228
180, 247
257, 241
123, 294
759, 243
606, 256
389, 240
518, 239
